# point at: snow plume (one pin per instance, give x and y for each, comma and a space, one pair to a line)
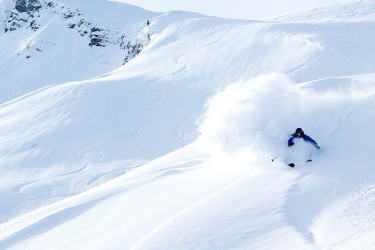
246, 113
260, 115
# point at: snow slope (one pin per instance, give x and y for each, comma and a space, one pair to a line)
197, 117
56, 38
352, 11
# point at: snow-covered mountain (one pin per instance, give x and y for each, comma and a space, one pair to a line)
173, 149
72, 40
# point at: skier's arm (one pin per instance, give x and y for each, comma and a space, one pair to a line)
309, 139
290, 142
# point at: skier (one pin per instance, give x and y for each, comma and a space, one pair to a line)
299, 134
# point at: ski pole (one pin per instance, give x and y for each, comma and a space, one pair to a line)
279, 154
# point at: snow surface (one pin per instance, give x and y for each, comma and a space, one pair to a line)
189, 128
63, 53
352, 11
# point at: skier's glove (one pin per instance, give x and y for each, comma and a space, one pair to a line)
291, 144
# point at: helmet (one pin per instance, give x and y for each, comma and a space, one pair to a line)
299, 131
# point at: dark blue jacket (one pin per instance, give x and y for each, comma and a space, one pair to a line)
305, 138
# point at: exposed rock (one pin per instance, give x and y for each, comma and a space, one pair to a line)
30, 14
97, 37
96, 41
34, 26
27, 5
137, 45
95, 29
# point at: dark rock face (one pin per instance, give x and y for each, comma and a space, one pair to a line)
96, 41
23, 13
97, 37
136, 46
95, 29
27, 5
34, 26
21, 6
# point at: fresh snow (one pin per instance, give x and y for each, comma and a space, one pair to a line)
64, 51
352, 11
173, 149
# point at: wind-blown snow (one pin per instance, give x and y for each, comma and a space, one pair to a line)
189, 128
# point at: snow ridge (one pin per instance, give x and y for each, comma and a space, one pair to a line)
351, 11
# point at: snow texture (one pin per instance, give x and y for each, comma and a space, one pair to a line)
173, 149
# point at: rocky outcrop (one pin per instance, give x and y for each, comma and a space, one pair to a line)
137, 45
97, 37
28, 14
25, 13
27, 6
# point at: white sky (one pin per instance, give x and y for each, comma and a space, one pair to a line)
237, 9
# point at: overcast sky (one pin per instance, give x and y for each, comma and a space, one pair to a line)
238, 9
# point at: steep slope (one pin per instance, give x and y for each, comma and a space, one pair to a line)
44, 42
147, 108
64, 139
255, 82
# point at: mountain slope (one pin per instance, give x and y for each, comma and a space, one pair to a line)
62, 138
350, 11
249, 85
46, 43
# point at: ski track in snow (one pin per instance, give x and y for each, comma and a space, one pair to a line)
18, 189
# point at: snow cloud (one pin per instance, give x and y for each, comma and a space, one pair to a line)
260, 114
